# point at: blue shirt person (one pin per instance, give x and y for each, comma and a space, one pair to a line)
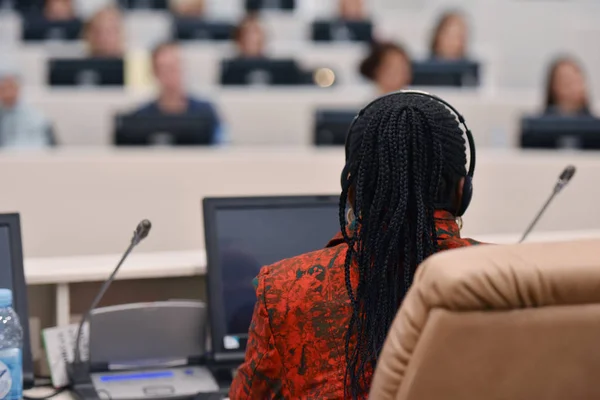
173, 98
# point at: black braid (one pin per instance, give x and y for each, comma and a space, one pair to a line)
404, 162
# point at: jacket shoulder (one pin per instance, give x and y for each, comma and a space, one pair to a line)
308, 266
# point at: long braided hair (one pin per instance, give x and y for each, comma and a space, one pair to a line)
405, 156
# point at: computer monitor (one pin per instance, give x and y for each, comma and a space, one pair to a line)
165, 130
257, 5
86, 72
36, 28
244, 234
462, 73
144, 4
556, 131
12, 277
196, 29
342, 31
22, 6
331, 126
262, 71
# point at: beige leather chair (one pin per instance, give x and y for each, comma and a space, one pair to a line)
517, 322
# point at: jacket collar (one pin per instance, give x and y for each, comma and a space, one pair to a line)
445, 227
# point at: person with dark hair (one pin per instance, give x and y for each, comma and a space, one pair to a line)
321, 318
566, 91
388, 66
450, 37
172, 98
250, 37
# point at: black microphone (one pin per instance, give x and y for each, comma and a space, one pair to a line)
563, 179
78, 370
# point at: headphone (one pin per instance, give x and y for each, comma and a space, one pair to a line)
468, 184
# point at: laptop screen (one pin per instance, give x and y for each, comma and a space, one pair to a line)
244, 235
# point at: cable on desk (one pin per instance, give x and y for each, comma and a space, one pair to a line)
49, 396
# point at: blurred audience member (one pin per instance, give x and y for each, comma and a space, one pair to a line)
388, 66
450, 37
21, 126
352, 10
59, 10
188, 8
104, 33
172, 97
566, 89
250, 37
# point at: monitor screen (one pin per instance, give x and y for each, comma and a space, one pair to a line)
88, 72
332, 126
557, 131
463, 73
12, 277
342, 31
165, 130
37, 28
245, 234
262, 72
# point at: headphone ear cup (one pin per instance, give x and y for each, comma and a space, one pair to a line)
466, 195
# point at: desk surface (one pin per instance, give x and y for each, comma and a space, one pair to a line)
41, 392
54, 270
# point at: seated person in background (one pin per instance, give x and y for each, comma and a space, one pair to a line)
59, 10
313, 334
21, 126
566, 89
250, 37
352, 10
187, 8
172, 98
450, 37
388, 66
103, 33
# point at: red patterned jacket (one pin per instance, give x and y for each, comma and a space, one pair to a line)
296, 345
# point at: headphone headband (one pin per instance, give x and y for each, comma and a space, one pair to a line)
461, 120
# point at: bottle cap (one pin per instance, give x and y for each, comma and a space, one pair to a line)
6, 298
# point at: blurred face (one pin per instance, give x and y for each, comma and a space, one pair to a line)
452, 39
352, 9
393, 73
57, 10
105, 35
167, 69
188, 8
9, 92
569, 87
252, 40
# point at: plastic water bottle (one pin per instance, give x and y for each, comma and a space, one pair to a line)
11, 344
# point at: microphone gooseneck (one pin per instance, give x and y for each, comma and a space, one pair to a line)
140, 233
563, 180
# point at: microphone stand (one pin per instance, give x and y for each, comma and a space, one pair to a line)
78, 371
563, 180
538, 216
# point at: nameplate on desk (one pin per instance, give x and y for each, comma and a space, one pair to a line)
59, 343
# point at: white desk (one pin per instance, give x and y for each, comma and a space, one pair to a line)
62, 271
